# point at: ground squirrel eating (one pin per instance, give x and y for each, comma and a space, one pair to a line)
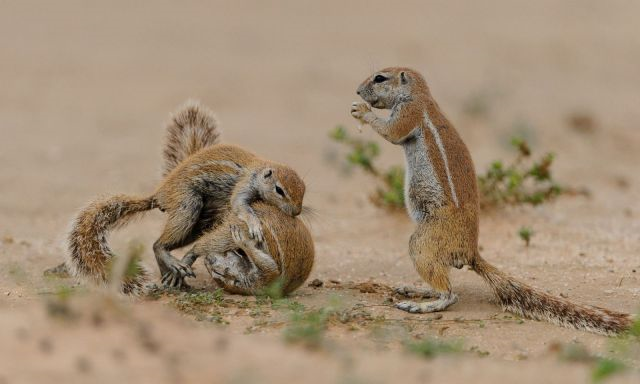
442, 198
203, 181
240, 264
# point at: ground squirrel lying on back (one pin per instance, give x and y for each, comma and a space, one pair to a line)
240, 264
441, 197
203, 181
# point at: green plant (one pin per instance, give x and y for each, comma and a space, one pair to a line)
605, 368
523, 181
274, 291
525, 234
133, 267
390, 193
307, 328
200, 303
623, 353
430, 348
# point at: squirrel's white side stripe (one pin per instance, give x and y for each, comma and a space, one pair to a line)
280, 252
436, 136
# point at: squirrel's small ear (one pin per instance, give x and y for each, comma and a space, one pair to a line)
404, 79
267, 173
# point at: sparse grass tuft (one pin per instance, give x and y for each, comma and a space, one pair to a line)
307, 328
58, 304
275, 290
430, 348
134, 257
525, 234
623, 353
204, 305
606, 368
117, 271
575, 352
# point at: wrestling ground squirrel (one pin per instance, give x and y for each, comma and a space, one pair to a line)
240, 264
441, 197
203, 181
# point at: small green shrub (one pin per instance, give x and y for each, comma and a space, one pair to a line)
525, 234
390, 192
522, 181
519, 182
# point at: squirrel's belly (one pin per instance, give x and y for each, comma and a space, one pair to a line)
422, 190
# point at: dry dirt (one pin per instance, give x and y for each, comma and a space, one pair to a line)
86, 89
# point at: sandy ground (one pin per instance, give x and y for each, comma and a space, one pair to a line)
85, 92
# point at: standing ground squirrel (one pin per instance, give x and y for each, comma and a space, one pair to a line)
442, 198
203, 181
240, 264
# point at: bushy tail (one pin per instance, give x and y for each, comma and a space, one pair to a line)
89, 253
523, 300
192, 128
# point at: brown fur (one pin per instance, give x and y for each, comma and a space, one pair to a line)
89, 252
447, 227
191, 129
288, 244
195, 194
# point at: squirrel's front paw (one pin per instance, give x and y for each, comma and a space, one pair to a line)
254, 226
240, 238
359, 109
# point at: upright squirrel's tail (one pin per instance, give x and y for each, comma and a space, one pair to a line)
89, 253
192, 128
521, 299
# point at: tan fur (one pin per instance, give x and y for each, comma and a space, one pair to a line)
89, 253
195, 194
443, 200
191, 129
288, 244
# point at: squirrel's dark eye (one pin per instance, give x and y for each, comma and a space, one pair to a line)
379, 79
279, 191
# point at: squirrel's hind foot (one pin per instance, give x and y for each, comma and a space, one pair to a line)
416, 293
174, 274
443, 302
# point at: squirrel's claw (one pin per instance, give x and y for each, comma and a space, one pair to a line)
174, 277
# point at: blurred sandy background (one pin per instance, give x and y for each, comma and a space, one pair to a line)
85, 89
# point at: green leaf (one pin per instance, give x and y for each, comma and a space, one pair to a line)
605, 368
